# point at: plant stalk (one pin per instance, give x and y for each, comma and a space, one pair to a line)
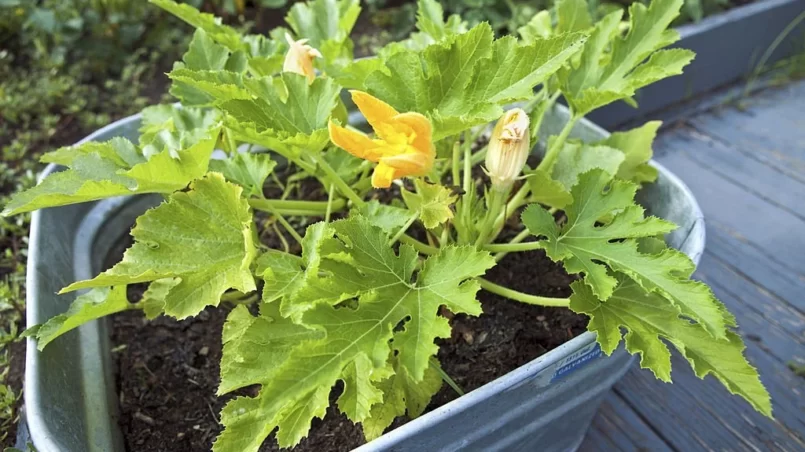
299, 208
402, 230
336, 180
553, 152
523, 297
446, 377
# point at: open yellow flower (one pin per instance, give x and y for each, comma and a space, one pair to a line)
299, 58
404, 144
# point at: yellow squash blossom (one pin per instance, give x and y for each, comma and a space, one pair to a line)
404, 144
299, 58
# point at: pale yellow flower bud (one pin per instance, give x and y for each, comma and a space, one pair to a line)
509, 148
299, 58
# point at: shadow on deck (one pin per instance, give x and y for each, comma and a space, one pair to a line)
747, 170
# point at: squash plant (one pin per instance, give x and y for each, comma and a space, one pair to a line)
363, 301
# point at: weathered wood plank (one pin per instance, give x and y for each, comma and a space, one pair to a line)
765, 225
762, 269
768, 129
747, 170
781, 338
756, 177
694, 414
736, 289
769, 347
618, 427
714, 418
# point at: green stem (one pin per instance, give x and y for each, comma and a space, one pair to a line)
446, 377
467, 182
497, 201
538, 123
514, 203
516, 239
455, 162
511, 247
402, 230
423, 248
291, 207
336, 180
553, 152
329, 204
245, 300
479, 156
288, 227
523, 297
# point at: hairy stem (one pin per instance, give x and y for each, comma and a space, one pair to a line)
335, 179
553, 152
497, 201
423, 248
510, 247
402, 230
456, 156
288, 227
523, 297
516, 239
446, 377
329, 203
299, 208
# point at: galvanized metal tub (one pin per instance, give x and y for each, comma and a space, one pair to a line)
70, 395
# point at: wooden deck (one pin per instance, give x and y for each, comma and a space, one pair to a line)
747, 169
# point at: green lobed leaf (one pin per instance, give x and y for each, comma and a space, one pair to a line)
282, 273
539, 27
361, 291
387, 217
286, 114
185, 120
602, 77
649, 319
323, 20
254, 346
90, 306
222, 34
636, 147
361, 391
202, 236
153, 301
401, 395
546, 190
431, 26
431, 202
430, 21
585, 247
572, 15
463, 81
246, 169
204, 54
114, 168
577, 158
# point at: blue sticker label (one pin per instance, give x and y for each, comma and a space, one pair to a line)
576, 361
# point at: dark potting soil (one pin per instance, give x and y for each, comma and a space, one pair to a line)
168, 370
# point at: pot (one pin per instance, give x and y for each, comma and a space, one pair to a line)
70, 396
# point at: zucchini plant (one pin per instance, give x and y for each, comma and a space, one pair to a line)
365, 299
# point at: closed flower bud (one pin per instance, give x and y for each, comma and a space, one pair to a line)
509, 148
299, 58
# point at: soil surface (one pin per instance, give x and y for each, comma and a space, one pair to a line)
168, 370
